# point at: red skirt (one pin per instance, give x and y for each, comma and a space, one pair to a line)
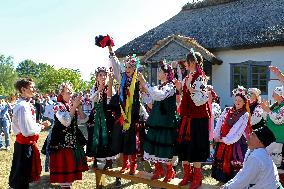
63, 167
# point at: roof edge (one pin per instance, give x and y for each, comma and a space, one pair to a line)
205, 3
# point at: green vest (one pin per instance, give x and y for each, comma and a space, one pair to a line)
278, 130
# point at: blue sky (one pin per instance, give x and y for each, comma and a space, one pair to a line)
62, 32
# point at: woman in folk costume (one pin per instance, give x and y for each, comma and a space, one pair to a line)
193, 134
161, 124
101, 121
26, 163
257, 119
231, 133
124, 137
275, 122
67, 157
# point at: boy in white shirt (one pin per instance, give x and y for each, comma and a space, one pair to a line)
259, 171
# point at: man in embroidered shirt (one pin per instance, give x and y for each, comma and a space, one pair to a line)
259, 171
26, 163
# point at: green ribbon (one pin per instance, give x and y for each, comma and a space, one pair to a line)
100, 123
79, 155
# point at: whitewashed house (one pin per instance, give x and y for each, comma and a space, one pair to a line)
239, 39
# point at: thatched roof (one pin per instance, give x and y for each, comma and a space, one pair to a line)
231, 24
182, 46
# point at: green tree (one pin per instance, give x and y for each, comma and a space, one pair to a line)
8, 75
28, 68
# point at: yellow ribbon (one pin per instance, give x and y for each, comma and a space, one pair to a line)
126, 114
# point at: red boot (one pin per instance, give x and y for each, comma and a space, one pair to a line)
197, 178
170, 173
126, 164
159, 171
187, 175
133, 164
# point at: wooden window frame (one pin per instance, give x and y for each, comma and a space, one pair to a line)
249, 64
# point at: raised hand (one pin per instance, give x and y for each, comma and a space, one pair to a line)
275, 70
265, 105
110, 76
77, 101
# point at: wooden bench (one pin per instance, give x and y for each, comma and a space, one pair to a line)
141, 177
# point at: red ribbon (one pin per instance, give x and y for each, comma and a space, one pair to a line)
36, 162
225, 149
187, 134
120, 120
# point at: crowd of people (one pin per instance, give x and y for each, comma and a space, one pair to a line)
179, 120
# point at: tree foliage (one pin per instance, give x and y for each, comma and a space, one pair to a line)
46, 77
8, 75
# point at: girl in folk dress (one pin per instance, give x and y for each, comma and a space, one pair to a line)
101, 121
125, 138
161, 124
231, 132
193, 135
67, 157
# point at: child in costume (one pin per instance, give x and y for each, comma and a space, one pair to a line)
193, 135
231, 133
161, 124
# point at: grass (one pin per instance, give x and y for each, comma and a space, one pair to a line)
88, 177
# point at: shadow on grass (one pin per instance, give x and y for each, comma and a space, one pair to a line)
44, 184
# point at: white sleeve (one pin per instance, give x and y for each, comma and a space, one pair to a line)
257, 115
161, 94
277, 118
146, 98
27, 125
247, 175
94, 95
237, 130
116, 66
200, 94
216, 109
221, 119
64, 117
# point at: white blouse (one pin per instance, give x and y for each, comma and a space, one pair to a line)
277, 118
235, 132
24, 121
62, 114
161, 94
258, 172
216, 109
257, 115
116, 66
200, 94
146, 98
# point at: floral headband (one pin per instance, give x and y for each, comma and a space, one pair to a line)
100, 69
65, 85
241, 91
168, 69
133, 60
279, 91
255, 91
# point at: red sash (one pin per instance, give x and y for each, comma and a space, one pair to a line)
185, 120
36, 162
225, 149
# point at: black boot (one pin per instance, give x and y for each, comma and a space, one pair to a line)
108, 164
117, 183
